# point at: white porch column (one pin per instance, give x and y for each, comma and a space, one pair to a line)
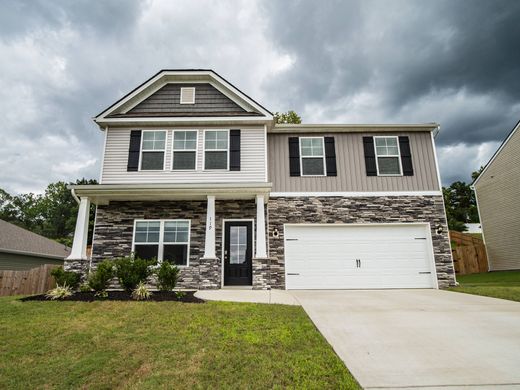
79, 246
209, 246
261, 250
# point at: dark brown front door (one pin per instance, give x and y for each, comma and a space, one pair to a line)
238, 252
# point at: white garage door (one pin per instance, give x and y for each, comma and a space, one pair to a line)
359, 256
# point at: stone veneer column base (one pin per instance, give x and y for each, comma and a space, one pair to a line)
261, 271
79, 266
209, 271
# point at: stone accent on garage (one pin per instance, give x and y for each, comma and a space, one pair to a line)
115, 224
384, 209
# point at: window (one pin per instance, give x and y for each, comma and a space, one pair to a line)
184, 149
164, 240
388, 159
188, 95
152, 150
312, 156
216, 149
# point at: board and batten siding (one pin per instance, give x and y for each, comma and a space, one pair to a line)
498, 197
252, 165
350, 162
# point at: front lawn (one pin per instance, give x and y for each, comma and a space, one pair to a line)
499, 284
163, 345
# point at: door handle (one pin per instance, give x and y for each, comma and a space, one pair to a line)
358, 263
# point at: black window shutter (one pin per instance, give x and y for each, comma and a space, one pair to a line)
234, 150
133, 151
406, 156
370, 156
294, 156
330, 156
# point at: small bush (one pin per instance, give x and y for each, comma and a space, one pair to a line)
141, 292
99, 280
59, 292
84, 287
131, 271
167, 276
68, 278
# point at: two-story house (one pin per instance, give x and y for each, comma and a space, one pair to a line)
197, 173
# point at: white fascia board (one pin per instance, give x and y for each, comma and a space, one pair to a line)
362, 128
496, 153
172, 120
354, 194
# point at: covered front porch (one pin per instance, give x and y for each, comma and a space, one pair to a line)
224, 240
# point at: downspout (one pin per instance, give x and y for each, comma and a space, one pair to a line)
73, 192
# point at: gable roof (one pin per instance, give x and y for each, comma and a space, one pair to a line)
500, 148
14, 239
125, 108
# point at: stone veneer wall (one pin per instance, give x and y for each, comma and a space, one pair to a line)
385, 209
115, 224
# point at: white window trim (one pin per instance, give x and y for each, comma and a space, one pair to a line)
398, 156
214, 150
141, 151
160, 252
196, 150
302, 157
181, 101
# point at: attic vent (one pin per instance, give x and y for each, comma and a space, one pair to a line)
188, 95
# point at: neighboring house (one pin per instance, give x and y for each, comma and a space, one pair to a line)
473, 228
21, 249
197, 173
497, 191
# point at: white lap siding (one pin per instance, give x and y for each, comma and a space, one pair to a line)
252, 156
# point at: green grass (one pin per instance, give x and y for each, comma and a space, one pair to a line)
152, 345
499, 284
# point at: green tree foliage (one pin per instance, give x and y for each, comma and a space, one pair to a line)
461, 206
287, 117
51, 214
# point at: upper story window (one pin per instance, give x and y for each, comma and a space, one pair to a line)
164, 240
188, 95
312, 156
216, 149
184, 149
152, 150
388, 158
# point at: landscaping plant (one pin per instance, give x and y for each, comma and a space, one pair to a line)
66, 278
132, 270
59, 292
141, 292
99, 280
167, 276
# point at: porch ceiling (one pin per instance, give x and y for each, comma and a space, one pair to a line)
102, 194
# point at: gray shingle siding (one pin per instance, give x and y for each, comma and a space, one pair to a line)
167, 99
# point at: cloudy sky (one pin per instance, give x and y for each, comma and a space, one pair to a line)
452, 62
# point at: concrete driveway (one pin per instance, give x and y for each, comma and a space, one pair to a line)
420, 338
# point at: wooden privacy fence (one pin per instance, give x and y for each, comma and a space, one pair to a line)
34, 281
469, 253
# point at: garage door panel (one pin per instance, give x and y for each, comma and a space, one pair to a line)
390, 256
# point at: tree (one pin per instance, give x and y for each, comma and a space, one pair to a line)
52, 214
461, 205
287, 117
476, 174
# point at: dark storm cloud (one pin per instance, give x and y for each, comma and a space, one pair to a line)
411, 54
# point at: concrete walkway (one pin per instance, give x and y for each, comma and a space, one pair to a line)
281, 297
426, 339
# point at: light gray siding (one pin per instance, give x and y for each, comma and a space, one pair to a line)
17, 262
167, 99
498, 197
351, 166
252, 168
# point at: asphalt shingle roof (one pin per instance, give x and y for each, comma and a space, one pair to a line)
15, 238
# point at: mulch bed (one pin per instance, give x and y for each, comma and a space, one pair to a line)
157, 296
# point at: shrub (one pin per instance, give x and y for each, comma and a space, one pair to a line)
66, 278
130, 271
84, 287
167, 276
59, 292
141, 292
99, 279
